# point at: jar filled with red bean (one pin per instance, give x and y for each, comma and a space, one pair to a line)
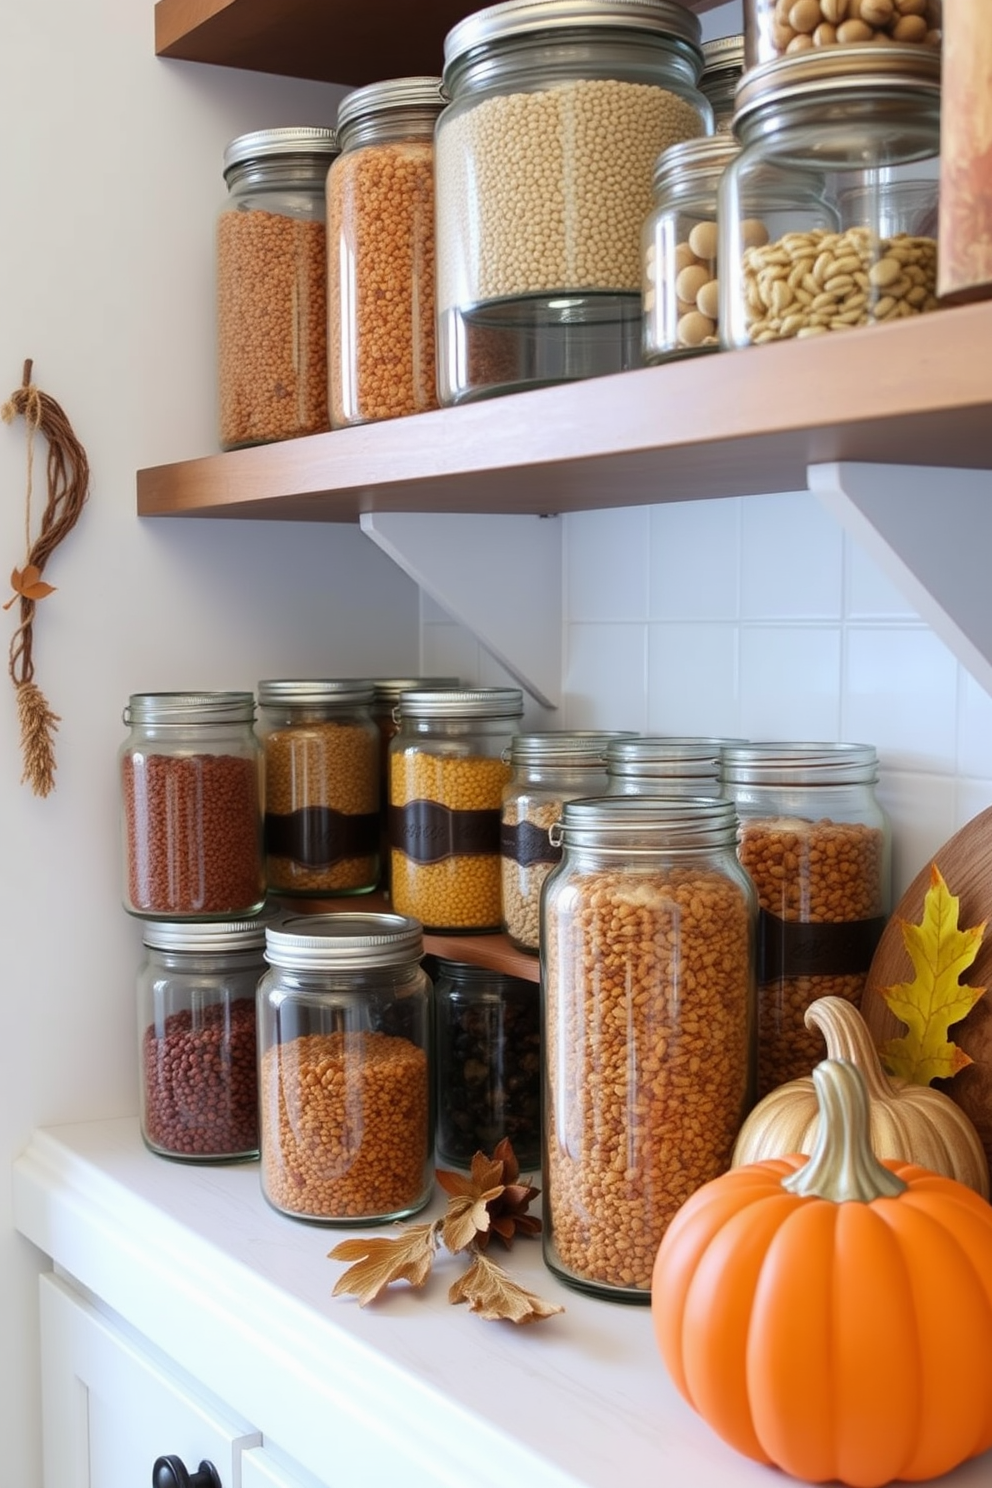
196, 1033
815, 841
345, 1099
191, 813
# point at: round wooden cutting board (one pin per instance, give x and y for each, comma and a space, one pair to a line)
965, 863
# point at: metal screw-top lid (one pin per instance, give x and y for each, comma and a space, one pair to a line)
190, 707
708, 152
205, 936
773, 763
662, 757
825, 72
309, 693
346, 942
722, 54
527, 17
388, 689
384, 97
266, 144
582, 747
479, 702
646, 824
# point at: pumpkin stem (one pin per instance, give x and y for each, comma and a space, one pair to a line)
842, 1166
847, 1036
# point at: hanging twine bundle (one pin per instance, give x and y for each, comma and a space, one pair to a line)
68, 483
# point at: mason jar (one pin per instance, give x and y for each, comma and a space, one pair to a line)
777, 28
191, 811
828, 214
547, 770
660, 766
681, 283
271, 286
647, 967
385, 698
321, 752
723, 68
447, 771
345, 1104
816, 842
197, 1058
487, 1063
380, 252
558, 112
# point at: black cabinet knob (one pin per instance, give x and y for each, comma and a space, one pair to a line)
171, 1472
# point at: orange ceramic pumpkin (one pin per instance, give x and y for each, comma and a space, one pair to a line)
833, 1315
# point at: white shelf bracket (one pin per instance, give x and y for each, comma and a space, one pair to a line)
930, 530
498, 575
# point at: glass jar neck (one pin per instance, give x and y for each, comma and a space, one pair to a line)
302, 173
889, 114
216, 963
540, 62
388, 127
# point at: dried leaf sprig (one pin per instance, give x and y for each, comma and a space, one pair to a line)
489, 1201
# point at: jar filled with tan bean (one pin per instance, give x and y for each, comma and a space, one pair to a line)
544, 158
547, 770
380, 253
828, 215
647, 964
344, 1083
681, 285
322, 816
777, 28
723, 67
816, 843
271, 287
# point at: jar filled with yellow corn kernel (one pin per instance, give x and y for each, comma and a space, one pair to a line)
386, 696
815, 841
322, 786
647, 966
828, 213
446, 776
544, 157
344, 1077
380, 253
271, 286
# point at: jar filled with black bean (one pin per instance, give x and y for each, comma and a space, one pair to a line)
487, 1048
196, 1031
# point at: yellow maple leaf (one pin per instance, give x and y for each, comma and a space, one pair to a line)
936, 998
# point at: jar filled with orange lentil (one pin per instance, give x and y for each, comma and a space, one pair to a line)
816, 843
271, 286
647, 966
380, 252
344, 1084
446, 776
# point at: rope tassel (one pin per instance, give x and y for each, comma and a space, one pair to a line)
68, 475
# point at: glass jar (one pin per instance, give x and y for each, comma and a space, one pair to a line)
380, 253
321, 751
544, 157
487, 1063
191, 813
647, 965
446, 777
385, 698
828, 215
345, 1105
775, 28
271, 286
660, 766
723, 67
196, 1038
681, 287
816, 843
547, 770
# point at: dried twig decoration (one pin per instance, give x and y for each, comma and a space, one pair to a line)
68, 483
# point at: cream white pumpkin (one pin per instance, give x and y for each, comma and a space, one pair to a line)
913, 1123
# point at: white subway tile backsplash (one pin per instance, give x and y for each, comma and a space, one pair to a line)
605, 677
900, 694
692, 685
790, 682
606, 564
695, 559
974, 728
869, 593
922, 814
791, 559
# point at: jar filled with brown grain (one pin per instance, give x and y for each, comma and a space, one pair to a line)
197, 1057
779, 28
272, 286
446, 776
547, 770
816, 843
828, 212
191, 808
647, 965
322, 787
558, 112
487, 1063
380, 253
345, 1102
385, 700
723, 68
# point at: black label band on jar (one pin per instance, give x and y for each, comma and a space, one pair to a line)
428, 832
526, 844
793, 948
318, 837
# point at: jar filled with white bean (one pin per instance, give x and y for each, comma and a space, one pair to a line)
778, 28
828, 214
680, 288
544, 161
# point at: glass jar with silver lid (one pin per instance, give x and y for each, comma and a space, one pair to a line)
723, 67
661, 766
